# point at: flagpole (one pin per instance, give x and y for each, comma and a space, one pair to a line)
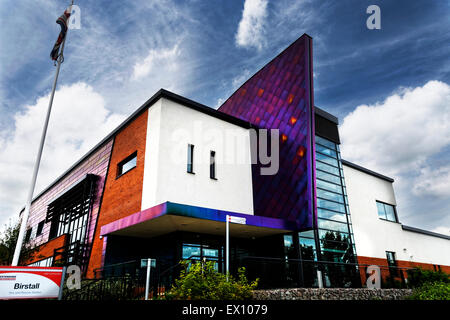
26, 213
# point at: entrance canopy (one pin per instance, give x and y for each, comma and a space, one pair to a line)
169, 217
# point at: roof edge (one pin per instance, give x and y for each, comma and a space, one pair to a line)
426, 232
365, 170
161, 93
326, 115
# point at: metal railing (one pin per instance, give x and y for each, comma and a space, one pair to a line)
290, 273
126, 280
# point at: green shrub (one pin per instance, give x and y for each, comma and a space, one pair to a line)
432, 291
418, 277
200, 281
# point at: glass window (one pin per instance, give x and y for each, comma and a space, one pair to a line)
332, 225
331, 215
191, 250
306, 234
381, 212
390, 213
326, 151
212, 165
329, 186
386, 211
324, 167
325, 142
328, 177
325, 204
28, 235
127, 164
390, 256
330, 195
326, 235
39, 228
190, 159
307, 248
327, 159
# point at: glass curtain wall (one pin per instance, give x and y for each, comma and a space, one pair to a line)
332, 244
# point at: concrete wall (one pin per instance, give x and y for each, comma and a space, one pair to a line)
373, 236
171, 127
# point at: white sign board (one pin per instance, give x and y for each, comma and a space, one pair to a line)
29, 282
238, 220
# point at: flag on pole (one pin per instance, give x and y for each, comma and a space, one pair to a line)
62, 21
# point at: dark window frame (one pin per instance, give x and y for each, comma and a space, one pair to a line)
395, 212
212, 165
40, 227
190, 159
120, 165
28, 235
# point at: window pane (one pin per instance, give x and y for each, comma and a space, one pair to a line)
330, 195
327, 159
381, 212
189, 251
306, 234
390, 213
329, 186
190, 158
130, 164
328, 177
327, 168
322, 213
331, 225
326, 151
325, 142
325, 235
325, 204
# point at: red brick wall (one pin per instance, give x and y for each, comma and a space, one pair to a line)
46, 250
123, 195
400, 263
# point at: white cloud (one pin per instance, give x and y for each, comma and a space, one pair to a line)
251, 28
167, 57
433, 182
79, 120
407, 136
400, 133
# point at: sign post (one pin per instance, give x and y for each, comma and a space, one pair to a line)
31, 282
228, 219
227, 245
148, 263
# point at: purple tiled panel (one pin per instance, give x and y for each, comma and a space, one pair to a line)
97, 164
278, 97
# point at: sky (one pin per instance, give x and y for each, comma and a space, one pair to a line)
390, 88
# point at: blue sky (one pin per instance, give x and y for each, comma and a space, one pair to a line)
204, 50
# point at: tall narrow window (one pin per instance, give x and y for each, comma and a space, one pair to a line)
40, 227
190, 158
212, 165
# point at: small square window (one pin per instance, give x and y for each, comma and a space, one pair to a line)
127, 164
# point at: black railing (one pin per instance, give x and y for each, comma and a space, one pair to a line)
74, 253
126, 280
290, 273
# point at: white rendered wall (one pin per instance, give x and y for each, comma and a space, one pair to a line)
373, 236
171, 127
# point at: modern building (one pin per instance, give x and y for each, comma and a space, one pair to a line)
162, 184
